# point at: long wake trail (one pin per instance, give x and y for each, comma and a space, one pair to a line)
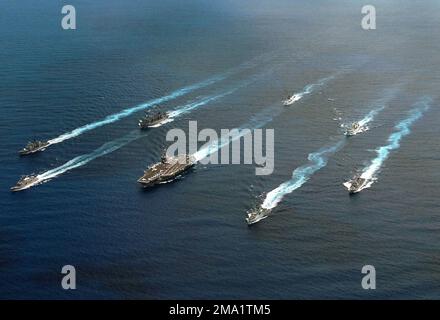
370, 116
301, 175
403, 128
129, 111
179, 111
86, 158
257, 121
310, 88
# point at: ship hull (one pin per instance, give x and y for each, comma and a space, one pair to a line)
352, 133
21, 188
254, 221
25, 153
352, 190
161, 179
152, 124
16, 189
256, 216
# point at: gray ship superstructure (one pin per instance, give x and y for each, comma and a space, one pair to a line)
354, 129
356, 184
33, 146
25, 182
256, 215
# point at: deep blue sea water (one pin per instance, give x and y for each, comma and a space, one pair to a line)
188, 239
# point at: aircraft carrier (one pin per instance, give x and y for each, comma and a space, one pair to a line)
166, 170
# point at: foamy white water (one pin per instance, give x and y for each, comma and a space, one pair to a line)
300, 175
161, 123
403, 129
370, 116
86, 158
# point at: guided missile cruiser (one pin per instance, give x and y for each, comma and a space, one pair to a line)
150, 120
256, 215
291, 99
353, 129
25, 182
356, 184
166, 170
33, 146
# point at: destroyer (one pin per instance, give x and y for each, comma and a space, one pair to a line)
354, 129
291, 99
25, 182
151, 120
33, 146
256, 215
166, 170
356, 184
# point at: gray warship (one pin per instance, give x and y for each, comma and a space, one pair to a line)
256, 215
353, 129
33, 146
150, 120
356, 184
291, 99
25, 182
166, 170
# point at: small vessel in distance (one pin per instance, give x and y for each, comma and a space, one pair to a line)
150, 120
33, 146
256, 215
292, 99
354, 129
356, 184
166, 170
25, 182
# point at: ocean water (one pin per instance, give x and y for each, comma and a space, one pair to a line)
223, 63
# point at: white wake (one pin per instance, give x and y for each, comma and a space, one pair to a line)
403, 128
